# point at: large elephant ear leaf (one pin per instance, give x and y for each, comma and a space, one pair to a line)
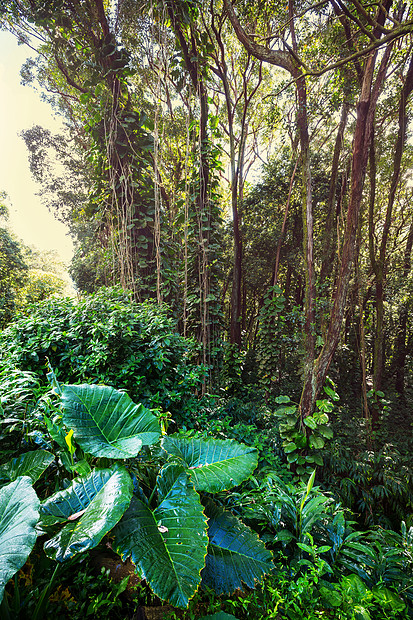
106, 422
169, 544
31, 464
89, 508
235, 553
214, 465
19, 513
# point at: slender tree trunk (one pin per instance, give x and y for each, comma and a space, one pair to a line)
329, 237
400, 346
316, 375
379, 264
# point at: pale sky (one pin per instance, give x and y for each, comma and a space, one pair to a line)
21, 108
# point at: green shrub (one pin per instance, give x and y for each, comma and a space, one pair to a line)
152, 494
377, 485
107, 338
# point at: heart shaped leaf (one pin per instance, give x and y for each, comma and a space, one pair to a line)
107, 422
169, 544
19, 512
235, 553
90, 507
214, 465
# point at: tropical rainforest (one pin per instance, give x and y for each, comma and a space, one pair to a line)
219, 425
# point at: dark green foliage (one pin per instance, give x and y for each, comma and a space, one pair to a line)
316, 544
376, 485
159, 530
19, 394
13, 273
107, 338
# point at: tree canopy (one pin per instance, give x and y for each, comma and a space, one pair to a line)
174, 109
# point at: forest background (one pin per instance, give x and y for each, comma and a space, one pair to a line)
248, 167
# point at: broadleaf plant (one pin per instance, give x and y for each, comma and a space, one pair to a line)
19, 513
164, 527
167, 544
90, 507
215, 465
31, 464
235, 553
106, 422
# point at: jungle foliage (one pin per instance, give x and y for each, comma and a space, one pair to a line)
236, 373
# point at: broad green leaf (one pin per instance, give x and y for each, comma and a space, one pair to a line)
31, 464
355, 587
19, 513
91, 506
214, 465
361, 613
284, 536
107, 422
332, 597
169, 544
310, 422
316, 442
235, 553
330, 392
326, 431
282, 399
290, 447
387, 598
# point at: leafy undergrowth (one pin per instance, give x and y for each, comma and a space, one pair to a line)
92, 495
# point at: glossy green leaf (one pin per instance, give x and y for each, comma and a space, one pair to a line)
19, 513
90, 507
106, 422
316, 442
282, 399
310, 422
214, 465
235, 553
325, 431
387, 598
31, 464
168, 544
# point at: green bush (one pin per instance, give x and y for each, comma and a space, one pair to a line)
107, 338
166, 522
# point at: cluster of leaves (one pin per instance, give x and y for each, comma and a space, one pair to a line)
377, 485
107, 338
329, 564
13, 274
303, 444
170, 534
270, 336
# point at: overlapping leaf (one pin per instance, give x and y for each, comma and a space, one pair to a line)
19, 512
214, 465
169, 544
31, 464
106, 422
235, 553
90, 507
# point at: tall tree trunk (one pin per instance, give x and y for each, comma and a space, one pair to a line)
193, 65
317, 374
400, 346
379, 263
329, 236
